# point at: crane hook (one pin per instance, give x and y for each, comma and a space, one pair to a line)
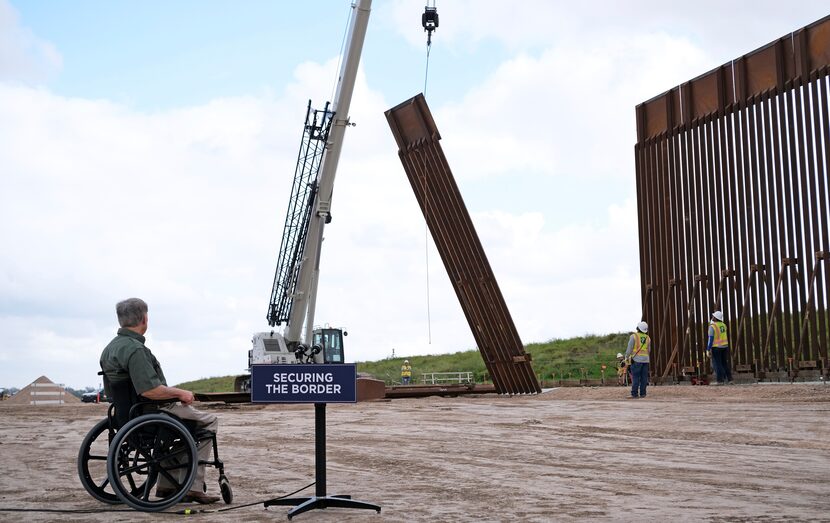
430, 22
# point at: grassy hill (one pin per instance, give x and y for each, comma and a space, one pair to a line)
218, 384
572, 358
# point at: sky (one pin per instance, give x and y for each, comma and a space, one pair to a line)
148, 149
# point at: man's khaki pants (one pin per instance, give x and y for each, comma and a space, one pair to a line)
204, 420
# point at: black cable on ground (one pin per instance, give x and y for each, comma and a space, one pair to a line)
64, 511
183, 512
188, 512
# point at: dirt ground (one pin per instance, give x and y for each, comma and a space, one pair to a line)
738, 453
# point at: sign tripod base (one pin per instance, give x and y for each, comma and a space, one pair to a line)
320, 499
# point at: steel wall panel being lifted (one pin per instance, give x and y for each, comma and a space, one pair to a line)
460, 249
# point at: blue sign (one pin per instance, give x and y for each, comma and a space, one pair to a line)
295, 383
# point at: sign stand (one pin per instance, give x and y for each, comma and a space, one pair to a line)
320, 499
319, 384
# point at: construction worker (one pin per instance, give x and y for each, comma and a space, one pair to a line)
622, 370
406, 373
717, 348
639, 345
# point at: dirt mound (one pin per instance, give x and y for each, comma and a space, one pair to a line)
42, 391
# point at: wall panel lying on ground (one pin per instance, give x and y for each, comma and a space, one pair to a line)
732, 190
461, 251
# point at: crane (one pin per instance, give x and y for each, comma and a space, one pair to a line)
294, 291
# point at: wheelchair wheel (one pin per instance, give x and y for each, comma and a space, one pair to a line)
145, 449
92, 463
226, 490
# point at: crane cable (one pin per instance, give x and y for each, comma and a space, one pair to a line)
426, 71
426, 210
429, 20
340, 54
426, 257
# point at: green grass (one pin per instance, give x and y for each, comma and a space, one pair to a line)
572, 358
576, 358
217, 384
389, 370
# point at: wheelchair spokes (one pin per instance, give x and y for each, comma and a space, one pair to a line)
145, 449
127, 466
92, 463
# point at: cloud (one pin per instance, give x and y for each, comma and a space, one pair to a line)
568, 281
540, 24
23, 56
532, 114
100, 203
184, 208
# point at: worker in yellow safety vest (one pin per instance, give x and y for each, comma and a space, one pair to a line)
406, 372
639, 346
718, 348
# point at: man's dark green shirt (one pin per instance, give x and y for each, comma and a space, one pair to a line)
126, 356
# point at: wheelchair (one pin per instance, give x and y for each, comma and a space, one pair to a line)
122, 458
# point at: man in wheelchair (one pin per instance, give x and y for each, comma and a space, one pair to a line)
126, 359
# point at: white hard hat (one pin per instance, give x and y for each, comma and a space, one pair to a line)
642, 326
619, 355
718, 315
406, 361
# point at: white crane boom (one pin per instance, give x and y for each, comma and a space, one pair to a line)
306, 296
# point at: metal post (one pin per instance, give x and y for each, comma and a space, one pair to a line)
320, 449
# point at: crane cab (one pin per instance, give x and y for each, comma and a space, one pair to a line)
271, 348
331, 341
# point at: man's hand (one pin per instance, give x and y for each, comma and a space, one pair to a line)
163, 392
186, 397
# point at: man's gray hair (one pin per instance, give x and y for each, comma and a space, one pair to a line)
130, 312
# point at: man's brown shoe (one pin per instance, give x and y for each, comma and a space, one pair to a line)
194, 496
164, 493
198, 496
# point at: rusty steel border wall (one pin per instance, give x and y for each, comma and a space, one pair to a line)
460, 248
732, 199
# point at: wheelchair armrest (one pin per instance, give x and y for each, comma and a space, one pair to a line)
144, 402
